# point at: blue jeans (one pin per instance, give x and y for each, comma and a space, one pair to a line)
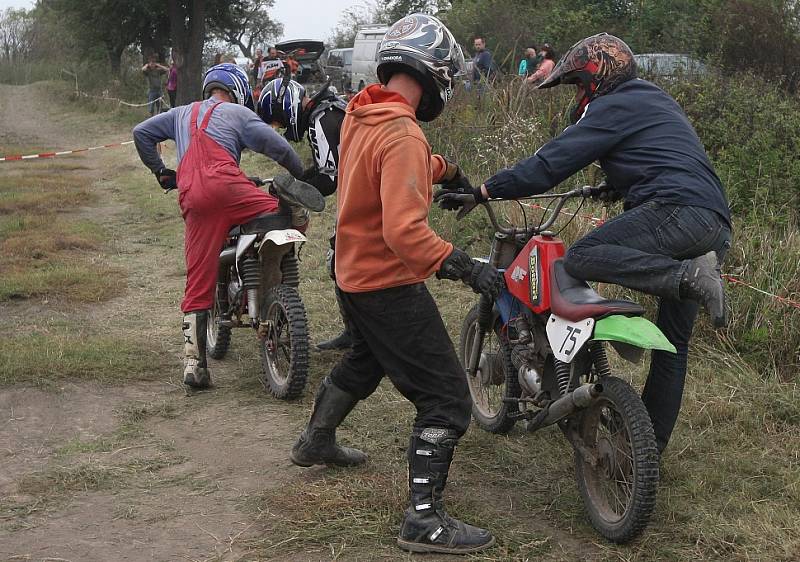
154, 101
648, 249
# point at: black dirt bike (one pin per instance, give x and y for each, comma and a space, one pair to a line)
257, 288
537, 354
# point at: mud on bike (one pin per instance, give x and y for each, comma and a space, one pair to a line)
257, 288
537, 354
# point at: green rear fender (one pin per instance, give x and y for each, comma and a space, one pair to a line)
635, 330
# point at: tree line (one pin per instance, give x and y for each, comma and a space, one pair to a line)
759, 36
103, 30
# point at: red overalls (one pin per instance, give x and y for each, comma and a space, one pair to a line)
214, 196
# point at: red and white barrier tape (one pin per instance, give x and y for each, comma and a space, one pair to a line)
16, 157
783, 300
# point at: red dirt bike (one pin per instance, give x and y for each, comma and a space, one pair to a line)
537, 354
257, 288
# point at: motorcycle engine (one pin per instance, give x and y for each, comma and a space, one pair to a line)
528, 375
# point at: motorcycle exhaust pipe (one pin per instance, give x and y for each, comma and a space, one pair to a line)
568, 404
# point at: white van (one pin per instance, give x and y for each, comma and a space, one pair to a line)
365, 51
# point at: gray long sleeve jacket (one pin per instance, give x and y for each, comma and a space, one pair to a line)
233, 126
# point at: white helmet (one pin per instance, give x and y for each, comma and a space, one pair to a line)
422, 46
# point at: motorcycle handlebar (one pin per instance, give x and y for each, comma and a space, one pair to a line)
593, 191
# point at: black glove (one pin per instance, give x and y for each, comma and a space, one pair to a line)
458, 194
482, 277
167, 179
606, 193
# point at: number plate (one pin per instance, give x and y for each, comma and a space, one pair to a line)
567, 338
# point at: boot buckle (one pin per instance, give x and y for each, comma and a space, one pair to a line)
436, 533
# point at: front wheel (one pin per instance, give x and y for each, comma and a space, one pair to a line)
618, 478
495, 379
284, 347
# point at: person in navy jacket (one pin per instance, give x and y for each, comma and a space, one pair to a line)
676, 227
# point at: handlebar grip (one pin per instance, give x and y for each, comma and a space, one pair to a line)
257, 180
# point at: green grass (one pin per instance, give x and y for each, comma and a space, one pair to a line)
50, 356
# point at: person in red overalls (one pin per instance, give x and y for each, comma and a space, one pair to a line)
214, 193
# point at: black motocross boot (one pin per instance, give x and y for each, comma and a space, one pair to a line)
702, 282
317, 443
426, 525
195, 367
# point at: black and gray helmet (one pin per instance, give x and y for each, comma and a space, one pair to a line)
421, 45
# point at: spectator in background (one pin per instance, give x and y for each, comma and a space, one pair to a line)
255, 69
292, 65
153, 72
271, 67
217, 59
483, 68
172, 83
530, 62
545, 67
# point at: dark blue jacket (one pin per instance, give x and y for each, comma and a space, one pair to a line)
483, 66
645, 144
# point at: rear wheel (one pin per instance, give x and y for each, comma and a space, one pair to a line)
218, 338
284, 348
495, 379
619, 483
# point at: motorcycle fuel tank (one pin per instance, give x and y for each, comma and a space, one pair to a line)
528, 276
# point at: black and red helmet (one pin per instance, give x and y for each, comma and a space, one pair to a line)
421, 45
597, 64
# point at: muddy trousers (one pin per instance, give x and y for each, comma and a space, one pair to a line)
398, 332
646, 249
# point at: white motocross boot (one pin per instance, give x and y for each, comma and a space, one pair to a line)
195, 368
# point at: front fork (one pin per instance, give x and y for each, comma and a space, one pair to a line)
485, 307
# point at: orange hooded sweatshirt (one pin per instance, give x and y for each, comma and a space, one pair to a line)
386, 172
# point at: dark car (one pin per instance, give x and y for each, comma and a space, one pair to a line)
307, 53
338, 67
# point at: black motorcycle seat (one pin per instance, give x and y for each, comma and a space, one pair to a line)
575, 300
264, 223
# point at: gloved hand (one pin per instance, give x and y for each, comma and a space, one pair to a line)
167, 179
482, 277
606, 193
458, 194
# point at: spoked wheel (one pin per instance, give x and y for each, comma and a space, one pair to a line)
218, 338
495, 378
619, 484
284, 349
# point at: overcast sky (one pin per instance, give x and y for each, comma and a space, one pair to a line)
302, 19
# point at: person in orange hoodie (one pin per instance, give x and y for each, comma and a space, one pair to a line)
384, 252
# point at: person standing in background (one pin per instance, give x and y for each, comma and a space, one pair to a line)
545, 67
153, 72
483, 69
172, 83
529, 63
255, 69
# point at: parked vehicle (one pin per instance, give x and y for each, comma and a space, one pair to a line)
365, 52
257, 288
538, 354
669, 65
338, 68
307, 53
